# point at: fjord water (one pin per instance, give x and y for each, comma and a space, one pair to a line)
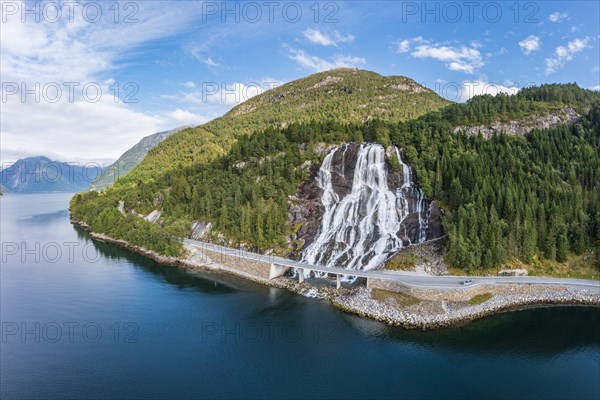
142, 330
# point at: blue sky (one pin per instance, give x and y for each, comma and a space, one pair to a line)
169, 60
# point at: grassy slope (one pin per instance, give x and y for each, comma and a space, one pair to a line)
344, 94
130, 159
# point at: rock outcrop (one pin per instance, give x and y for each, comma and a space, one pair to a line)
513, 272
523, 126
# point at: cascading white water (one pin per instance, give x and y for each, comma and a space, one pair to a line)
410, 190
363, 228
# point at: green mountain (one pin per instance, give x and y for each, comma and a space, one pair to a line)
344, 95
130, 159
341, 96
524, 194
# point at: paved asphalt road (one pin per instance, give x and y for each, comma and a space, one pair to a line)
408, 278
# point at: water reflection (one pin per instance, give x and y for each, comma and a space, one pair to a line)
515, 332
46, 217
335, 355
179, 277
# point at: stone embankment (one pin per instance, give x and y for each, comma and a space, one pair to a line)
428, 315
428, 308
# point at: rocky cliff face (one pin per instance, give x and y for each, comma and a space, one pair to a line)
524, 126
356, 209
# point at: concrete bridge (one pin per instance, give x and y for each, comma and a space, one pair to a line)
277, 266
267, 267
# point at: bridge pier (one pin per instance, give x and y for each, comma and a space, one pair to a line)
338, 282
300, 275
277, 271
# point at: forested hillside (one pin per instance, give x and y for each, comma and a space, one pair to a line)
344, 95
511, 197
505, 198
502, 107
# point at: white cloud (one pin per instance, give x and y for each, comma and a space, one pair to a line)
66, 129
189, 84
530, 44
52, 54
564, 54
212, 99
199, 54
315, 36
318, 64
596, 88
463, 58
209, 61
558, 16
187, 117
404, 46
477, 88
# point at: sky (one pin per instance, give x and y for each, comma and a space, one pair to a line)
85, 81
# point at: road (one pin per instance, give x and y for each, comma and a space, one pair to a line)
408, 278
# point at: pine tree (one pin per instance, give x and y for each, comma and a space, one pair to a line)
530, 238
246, 222
224, 216
562, 246
438, 187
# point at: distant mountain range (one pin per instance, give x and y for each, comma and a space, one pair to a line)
42, 175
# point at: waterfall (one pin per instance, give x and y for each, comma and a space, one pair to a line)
410, 191
361, 229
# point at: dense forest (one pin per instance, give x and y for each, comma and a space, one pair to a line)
503, 107
511, 197
345, 95
505, 198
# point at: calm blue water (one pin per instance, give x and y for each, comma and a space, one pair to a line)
98, 321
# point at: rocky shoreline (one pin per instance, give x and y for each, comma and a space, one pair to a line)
424, 314
437, 315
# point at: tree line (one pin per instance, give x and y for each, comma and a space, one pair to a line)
508, 197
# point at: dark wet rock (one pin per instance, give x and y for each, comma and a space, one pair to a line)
344, 163
306, 209
434, 224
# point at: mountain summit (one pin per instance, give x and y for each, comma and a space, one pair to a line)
344, 95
